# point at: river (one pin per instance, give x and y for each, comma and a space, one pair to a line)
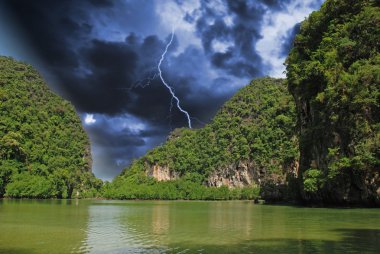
97, 226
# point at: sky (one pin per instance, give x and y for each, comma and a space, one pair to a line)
103, 56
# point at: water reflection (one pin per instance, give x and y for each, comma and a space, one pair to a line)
160, 219
103, 230
183, 227
225, 227
117, 227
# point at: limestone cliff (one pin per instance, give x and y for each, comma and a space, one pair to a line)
235, 175
273, 185
162, 173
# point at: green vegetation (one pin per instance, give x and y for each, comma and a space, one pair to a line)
333, 73
256, 125
44, 152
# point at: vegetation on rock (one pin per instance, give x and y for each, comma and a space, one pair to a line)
333, 73
44, 152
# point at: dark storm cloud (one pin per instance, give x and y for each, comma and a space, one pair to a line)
117, 139
37, 19
102, 3
108, 66
240, 58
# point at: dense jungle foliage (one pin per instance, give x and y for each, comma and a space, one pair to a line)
333, 73
256, 125
44, 152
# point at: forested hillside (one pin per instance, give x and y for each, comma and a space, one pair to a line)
44, 152
250, 143
333, 73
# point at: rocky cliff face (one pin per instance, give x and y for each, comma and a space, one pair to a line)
162, 173
236, 175
273, 186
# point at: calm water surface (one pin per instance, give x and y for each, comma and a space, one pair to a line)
91, 226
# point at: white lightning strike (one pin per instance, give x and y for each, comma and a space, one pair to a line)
167, 86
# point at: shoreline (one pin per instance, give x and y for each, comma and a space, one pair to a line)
260, 202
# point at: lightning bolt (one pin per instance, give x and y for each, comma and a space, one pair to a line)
140, 83
144, 82
169, 87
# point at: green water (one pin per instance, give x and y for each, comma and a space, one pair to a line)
90, 226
